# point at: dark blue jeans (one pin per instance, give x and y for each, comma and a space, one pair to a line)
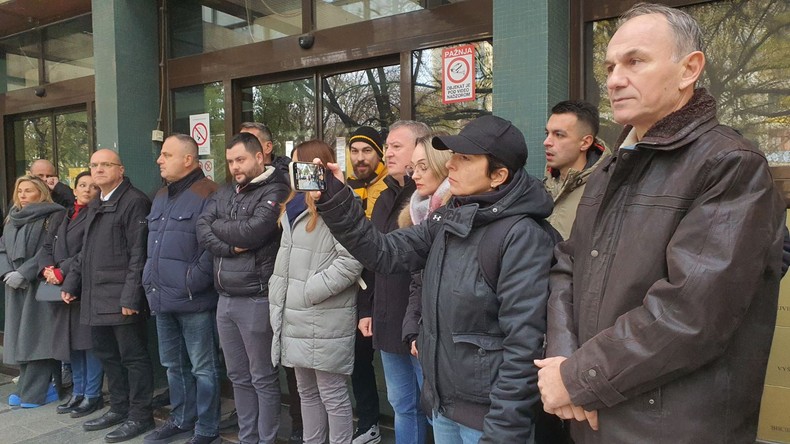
189, 349
87, 374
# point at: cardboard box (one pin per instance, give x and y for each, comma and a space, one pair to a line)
774, 425
778, 373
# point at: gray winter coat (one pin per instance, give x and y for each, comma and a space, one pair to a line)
33, 330
313, 298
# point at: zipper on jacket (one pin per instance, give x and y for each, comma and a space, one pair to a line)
219, 269
189, 291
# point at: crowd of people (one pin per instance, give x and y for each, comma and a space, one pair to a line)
628, 296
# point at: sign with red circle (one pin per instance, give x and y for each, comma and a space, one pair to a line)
200, 130
458, 79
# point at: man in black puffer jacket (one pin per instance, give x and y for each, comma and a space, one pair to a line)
239, 227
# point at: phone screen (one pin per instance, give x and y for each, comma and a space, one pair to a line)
307, 176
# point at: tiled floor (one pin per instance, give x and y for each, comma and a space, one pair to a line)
43, 425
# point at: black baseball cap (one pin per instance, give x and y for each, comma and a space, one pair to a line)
488, 135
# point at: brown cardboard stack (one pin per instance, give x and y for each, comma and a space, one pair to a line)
775, 410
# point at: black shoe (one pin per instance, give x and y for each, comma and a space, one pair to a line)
129, 430
200, 439
167, 432
69, 405
296, 437
104, 421
87, 406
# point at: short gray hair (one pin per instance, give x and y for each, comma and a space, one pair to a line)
688, 35
419, 129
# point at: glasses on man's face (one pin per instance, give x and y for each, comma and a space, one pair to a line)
104, 165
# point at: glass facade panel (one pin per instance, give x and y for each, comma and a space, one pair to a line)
286, 108
33, 139
203, 26
331, 13
68, 50
62, 137
427, 81
19, 61
366, 97
200, 99
73, 144
747, 70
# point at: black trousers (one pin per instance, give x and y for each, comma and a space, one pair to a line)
363, 383
123, 351
34, 378
295, 409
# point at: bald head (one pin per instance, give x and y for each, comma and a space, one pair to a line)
106, 170
178, 158
44, 170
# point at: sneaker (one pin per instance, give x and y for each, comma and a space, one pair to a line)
167, 432
200, 439
66, 378
13, 400
370, 436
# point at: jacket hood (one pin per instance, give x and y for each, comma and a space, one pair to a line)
524, 195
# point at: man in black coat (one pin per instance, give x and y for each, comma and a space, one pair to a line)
109, 271
391, 296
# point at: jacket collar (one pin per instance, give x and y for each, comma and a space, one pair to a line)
680, 127
110, 205
178, 186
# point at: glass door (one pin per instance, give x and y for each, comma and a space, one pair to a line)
63, 137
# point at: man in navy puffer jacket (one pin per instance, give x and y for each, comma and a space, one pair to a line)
179, 287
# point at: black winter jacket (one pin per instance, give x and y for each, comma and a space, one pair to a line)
246, 218
390, 291
477, 345
109, 267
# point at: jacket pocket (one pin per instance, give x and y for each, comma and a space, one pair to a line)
477, 359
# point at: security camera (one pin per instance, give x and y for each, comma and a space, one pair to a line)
40, 92
306, 41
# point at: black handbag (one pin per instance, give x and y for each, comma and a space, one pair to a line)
48, 293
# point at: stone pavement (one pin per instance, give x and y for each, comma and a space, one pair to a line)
43, 425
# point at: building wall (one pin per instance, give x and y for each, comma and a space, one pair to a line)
530, 67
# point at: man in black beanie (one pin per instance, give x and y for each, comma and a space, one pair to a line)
365, 152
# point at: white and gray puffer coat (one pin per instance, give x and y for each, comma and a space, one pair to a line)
313, 298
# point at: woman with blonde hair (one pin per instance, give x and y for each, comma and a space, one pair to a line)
429, 172
33, 337
312, 297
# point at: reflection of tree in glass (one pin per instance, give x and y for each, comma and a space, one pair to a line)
748, 69
427, 75
366, 97
288, 109
37, 140
73, 143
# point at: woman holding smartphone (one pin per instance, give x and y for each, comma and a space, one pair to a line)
312, 297
478, 341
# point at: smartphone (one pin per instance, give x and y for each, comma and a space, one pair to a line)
307, 176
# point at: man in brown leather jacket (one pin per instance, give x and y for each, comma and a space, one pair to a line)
663, 301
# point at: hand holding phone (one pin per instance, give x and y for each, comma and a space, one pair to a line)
307, 176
